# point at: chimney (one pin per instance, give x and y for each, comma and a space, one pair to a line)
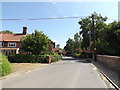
24, 30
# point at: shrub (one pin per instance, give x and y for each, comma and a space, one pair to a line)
76, 55
49, 53
23, 58
5, 67
82, 55
85, 55
56, 58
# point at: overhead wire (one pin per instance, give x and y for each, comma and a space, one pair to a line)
51, 18
66, 17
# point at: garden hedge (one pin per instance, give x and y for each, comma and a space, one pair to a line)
5, 67
82, 55
29, 58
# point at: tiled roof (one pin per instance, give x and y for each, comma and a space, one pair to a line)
10, 37
55, 49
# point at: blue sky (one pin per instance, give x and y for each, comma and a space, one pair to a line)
58, 30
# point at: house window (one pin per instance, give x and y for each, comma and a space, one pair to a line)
11, 44
9, 52
1, 44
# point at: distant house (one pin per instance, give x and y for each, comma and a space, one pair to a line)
51, 45
10, 42
60, 52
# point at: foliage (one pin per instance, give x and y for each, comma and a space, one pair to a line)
109, 39
77, 41
35, 43
86, 25
23, 58
5, 67
27, 58
58, 46
73, 46
107, 36
49, 53
82, 55
56, 58
6, 31
69, 46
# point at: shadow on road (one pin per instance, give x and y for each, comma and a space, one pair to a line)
75, 59
83, 61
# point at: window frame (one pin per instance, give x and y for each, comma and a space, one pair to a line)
12, 43
1, 44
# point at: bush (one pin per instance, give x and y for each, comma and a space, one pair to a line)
5, 67
85, 55
56, 58
76, 55
23, 58
82, 55
49, 53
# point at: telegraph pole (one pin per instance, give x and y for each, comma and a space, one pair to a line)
94, 37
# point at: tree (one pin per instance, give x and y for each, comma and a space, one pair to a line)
6, 31
35, 43
90, 28
77, 41
95, 33
69, 46
111, 36
58, 46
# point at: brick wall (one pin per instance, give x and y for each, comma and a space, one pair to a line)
113, 62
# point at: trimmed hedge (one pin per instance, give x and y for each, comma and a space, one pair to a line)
23, 58
83, 55
5, 67
56, 58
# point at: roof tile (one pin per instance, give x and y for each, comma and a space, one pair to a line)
10, 37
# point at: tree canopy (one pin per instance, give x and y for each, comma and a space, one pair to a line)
107, 36
35, 43
73, 45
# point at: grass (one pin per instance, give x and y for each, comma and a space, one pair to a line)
24, 67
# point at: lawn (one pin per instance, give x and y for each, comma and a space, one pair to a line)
24, 67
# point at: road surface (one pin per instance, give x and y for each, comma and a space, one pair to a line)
68, 73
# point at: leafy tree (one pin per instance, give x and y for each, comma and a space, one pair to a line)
35, 43
73, 46
86, 26
69, 46
58, 46
77, 41
112, 37
107, 38
6, 31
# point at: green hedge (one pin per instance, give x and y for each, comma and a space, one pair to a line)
56, 58
82, 55
5, 67
23, 58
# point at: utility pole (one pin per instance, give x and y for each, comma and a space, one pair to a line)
94, 37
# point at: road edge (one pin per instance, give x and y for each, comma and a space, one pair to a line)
107, 79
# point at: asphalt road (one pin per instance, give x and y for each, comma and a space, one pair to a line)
68, 73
